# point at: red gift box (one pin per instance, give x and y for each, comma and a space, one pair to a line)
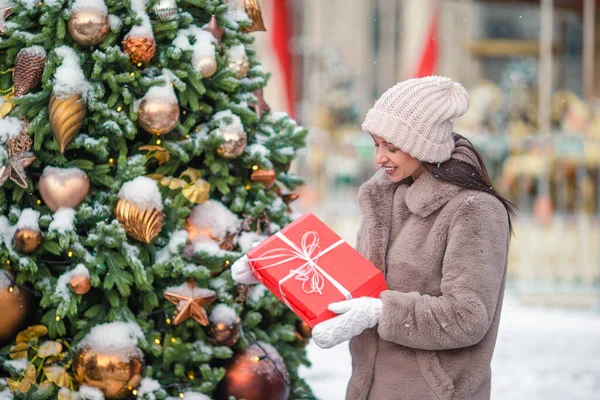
308, 266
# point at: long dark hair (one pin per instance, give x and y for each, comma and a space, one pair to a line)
470, 174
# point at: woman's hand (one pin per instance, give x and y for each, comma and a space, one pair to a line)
241, 271
356, 315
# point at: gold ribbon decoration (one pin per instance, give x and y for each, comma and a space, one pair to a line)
195, 189
7, 105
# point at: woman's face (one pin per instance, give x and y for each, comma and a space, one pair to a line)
397, 164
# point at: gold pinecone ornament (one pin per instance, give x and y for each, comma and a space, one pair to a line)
28, 69
140, 49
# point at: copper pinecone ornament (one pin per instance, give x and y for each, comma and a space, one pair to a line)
28, 71
140, 49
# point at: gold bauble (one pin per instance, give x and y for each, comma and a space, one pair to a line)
89, 27
158, 117
80, 284
27, 240
66, 118
63, 190
234, 145
303, 330
111, 373
195, 232
266, 176
142, 224
206, 65
15, 304
240, 66
140, 49
252, 376
222, 334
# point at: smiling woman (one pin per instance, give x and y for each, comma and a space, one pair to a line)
397, 164
436, 228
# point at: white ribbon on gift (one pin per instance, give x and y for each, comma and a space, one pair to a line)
310, 273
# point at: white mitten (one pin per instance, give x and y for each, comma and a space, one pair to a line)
241, 271
356, 315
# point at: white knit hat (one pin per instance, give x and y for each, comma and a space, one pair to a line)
416, 116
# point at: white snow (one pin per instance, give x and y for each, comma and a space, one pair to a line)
161, 94
63, 220
10, 127
30, 4
116, 338
223, 313
203, 42
178, 238
62, 285
257, 292
68, 78
277, 115
29, 219
115, 22
142, 191
90, 5
235, 12
204, 245
258, 149
541, 354
247, 240
190, 396
286, 151
5, 394
213, 214
18, 365
89, 393
147, 388
7, 232
5, 280
228, 121
237, 52
34, 50
145, 29
64, 174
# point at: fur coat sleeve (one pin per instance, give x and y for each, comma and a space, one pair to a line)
472, 274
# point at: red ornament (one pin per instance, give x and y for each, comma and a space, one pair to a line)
257, 373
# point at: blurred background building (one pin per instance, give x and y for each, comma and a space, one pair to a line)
535, 112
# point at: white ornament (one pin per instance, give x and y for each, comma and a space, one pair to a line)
165, 10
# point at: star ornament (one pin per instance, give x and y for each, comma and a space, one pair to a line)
260, 105
4, 13
15, 171
190, 302
214, 28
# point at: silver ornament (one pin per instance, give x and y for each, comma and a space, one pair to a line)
206, 65
165, 10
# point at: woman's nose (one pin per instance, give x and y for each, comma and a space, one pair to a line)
380, 158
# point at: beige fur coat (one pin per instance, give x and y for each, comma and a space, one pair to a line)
443, 251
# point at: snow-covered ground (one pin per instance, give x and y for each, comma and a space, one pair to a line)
541, 354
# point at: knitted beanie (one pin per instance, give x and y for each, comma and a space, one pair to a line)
416, 116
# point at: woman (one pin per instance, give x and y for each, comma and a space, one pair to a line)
440, 233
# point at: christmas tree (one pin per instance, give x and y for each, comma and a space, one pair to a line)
138, 161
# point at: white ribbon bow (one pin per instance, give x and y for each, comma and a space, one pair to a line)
310, 273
